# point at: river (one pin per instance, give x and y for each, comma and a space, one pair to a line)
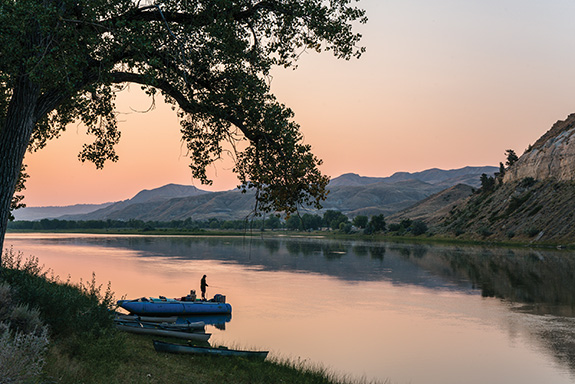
405, 313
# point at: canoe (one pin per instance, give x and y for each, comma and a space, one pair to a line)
169, 307
162, 346
149, 319
164, 332
198, 326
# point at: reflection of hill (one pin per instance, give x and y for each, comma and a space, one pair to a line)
544, 280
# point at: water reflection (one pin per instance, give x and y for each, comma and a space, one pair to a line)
398, 281
219, 321
543, 280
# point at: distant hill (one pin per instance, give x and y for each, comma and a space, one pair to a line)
38, 213
229, 205
435, 176
436, 207
350, 193
376, 198
145, 197
169, 191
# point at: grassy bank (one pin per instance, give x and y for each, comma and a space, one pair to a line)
57, 332
381, 237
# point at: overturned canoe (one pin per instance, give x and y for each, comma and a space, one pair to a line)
162, 346
149, 319
164, 332
169, 307
198, 326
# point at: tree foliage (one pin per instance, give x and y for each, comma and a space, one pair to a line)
511, 157
360, 221
377, 223
63, 61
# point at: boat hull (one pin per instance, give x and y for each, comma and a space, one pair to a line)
161, 346
174, 307
149, 319
164, 332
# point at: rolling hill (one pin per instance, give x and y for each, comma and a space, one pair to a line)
351, 194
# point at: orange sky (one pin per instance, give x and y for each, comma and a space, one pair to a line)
444, 84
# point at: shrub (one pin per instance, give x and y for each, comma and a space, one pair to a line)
531, 232
21, 355
25, 319
67, 308
485, 232
5, 300
418, 228
527, 182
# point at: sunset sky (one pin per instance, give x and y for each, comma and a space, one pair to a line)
443, 84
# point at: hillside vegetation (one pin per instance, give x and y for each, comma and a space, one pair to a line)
526, 210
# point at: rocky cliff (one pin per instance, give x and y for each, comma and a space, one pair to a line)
551, 157
535, 203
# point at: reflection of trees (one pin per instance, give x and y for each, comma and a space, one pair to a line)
360, 250
377, 253
303, 248
334, 250
330, 250
545, 279
272, 246
419, 251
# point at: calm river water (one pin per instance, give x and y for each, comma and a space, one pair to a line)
399, 312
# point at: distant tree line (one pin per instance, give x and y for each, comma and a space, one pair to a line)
330, 220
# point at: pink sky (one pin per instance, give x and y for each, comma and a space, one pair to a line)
444, 84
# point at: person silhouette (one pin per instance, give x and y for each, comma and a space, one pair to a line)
203, 286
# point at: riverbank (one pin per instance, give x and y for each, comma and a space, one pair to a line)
140, 363
378, 237
82, 345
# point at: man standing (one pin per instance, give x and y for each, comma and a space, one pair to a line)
203, 286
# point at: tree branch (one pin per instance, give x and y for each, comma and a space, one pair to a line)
187, 105
154, 13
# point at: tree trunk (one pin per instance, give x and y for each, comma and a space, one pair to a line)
14, 138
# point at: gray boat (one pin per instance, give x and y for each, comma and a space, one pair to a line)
133, 328
162, 346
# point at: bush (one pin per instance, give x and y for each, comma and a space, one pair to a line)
21, 355
527, 182
5, 300
485, 232
23, 340
418, 228
25, 320
532, 232
67, 308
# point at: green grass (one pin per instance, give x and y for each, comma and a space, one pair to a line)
140, 363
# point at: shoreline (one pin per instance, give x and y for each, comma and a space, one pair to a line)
422, 239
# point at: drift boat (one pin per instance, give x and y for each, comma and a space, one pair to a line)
168, 307
161, 346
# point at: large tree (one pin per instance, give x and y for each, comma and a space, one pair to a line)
64, 60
